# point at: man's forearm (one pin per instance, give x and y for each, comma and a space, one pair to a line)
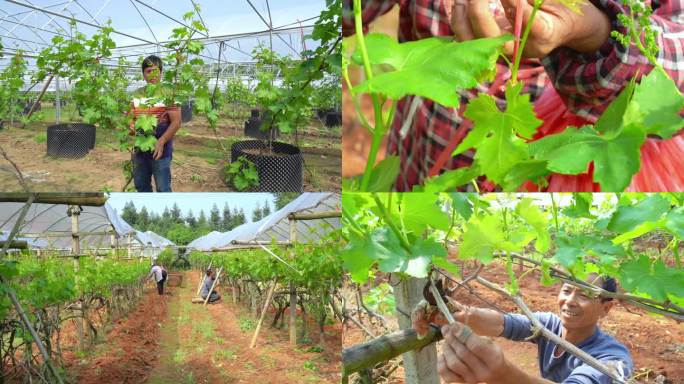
171, 131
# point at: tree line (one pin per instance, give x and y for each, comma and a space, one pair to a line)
182, 229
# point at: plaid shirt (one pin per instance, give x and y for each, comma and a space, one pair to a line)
587, 83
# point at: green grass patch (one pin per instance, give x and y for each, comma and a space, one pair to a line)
179, 356
203, 154
40, 138
246, 324
226, 354
205, 328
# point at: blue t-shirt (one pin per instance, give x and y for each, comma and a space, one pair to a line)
206, 288
567, 368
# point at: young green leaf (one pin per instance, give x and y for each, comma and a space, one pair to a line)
495, 133
657, 105
616, 159
384, 174
434, 68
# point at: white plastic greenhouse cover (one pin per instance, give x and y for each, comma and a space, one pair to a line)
276, 226
142, 26
152, 239
32, 243
52, 218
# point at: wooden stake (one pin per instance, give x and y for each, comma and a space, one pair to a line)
218, 275
420, 367
384, 348
269, 296
74, 211
293, 292
204, 277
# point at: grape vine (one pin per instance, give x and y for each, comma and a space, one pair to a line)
54, 291
410, 234
314, 269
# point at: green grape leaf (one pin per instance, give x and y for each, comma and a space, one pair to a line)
91, 115
535, 218
145, 143
611, 121
528, 170
656, 281
656, 105
384, 175
495, 133
626, 218
434, 68
363, 252
674, 222
146, 123
449, 181
639, 230
546, 278
572, 248
581, 205
483, 236
420, 211
462, 204
616, 158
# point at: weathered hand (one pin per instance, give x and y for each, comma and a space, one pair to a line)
158, 149
469, 358
553, 26
424, 314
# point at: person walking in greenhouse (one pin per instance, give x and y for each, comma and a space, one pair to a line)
573, 67
159, 273
471, 358
155, 163
206, 288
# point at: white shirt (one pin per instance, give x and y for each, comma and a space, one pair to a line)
157, 271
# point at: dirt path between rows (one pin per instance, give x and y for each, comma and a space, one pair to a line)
171, 340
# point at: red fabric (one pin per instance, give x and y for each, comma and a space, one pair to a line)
586, 83
662, 161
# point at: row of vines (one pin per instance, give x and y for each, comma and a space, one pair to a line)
60, 295
311, 272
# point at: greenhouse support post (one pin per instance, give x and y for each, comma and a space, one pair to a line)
59, 105
420, 367
269, 296
74, 211
293, 290
113, 242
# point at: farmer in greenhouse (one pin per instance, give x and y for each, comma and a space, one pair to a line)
159, 273
471, 358
572, 68
206, 288
155, 163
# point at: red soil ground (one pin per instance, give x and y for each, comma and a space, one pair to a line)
170, 340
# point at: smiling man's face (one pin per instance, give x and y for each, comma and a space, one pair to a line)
579, 308
152, 74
